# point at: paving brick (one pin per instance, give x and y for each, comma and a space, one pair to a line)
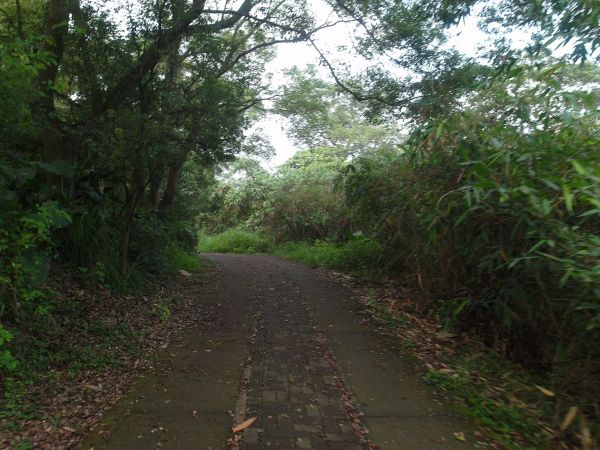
303, 443
313, 411
269, 396
251, 436
293, 389
308, 428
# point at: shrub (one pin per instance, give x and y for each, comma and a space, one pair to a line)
360, 255
494, 217
234, 241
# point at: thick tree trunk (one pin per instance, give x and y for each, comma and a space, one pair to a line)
131, 202
53, 145
172, 181
154, 190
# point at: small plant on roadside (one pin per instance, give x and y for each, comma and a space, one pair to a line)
162, 310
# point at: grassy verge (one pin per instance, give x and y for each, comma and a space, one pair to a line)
359, 256
502, 396
234, 241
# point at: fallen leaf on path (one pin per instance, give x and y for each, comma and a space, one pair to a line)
460, 436
245, 424
585, 435
571, 413
69, 429
545, 391
185, 273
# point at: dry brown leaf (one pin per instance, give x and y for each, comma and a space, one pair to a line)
545, 391
585, 436
69, 429
245, 424
569, 417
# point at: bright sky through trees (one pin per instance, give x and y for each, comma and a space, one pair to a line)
466, 37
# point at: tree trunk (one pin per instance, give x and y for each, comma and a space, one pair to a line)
53, 145
172, 181
137, 186
155, 184
131, 202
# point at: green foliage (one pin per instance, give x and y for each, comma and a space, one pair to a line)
303, 204
299, 202
18, 72
26, 250
493, 214
360, 256
321, 118
184, 260
162, 311
7, 361
504, 419
233, 241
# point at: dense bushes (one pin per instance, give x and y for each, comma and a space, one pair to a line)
360, 256
298, 202
234, 241
495, 217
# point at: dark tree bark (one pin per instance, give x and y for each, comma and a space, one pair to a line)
53, 142
131, 202
173, 180
137, 186
156, 181
19, 20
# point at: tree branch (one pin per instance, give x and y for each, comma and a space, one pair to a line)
302, 37
19, 19
358, 96
121, 91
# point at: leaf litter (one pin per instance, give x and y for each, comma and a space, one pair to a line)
68, 405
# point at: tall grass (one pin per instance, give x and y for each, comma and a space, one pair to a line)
359, 256
234, 241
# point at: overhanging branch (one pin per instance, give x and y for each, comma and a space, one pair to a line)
358, 96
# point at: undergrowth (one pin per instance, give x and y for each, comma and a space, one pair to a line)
492, 391
359, 256
234, 241
510, 401
75, 327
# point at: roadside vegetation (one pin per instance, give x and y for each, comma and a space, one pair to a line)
473, 182
488, 214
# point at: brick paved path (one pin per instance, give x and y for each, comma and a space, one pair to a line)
287, 346
294, 388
